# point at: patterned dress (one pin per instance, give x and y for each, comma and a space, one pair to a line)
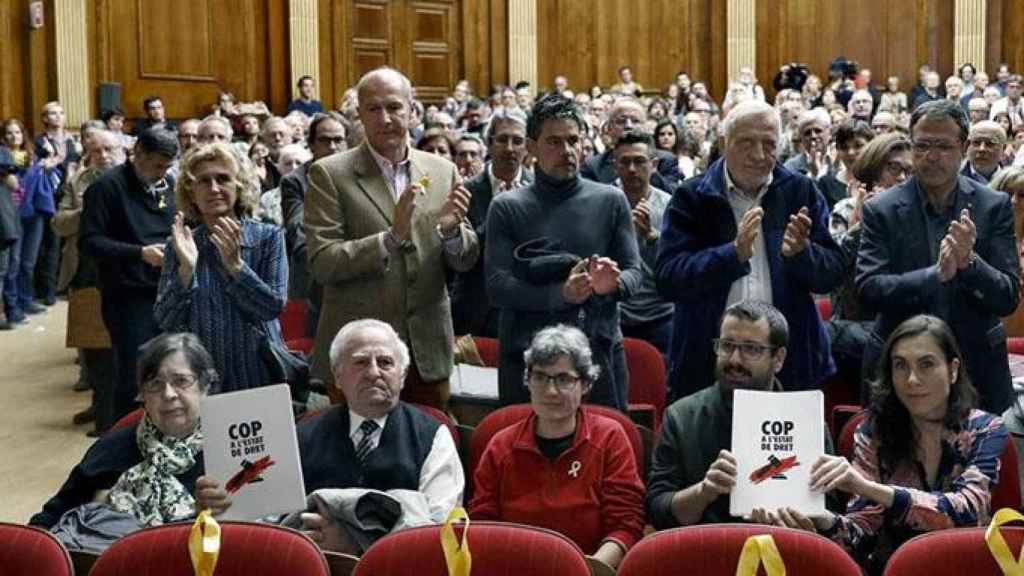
960, 496
229, 315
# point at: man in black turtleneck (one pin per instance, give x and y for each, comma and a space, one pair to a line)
585, 219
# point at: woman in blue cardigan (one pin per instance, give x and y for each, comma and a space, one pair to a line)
225, 280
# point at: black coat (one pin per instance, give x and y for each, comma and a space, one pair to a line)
897, 279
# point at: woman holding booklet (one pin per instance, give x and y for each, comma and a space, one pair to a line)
146, 472
924, 458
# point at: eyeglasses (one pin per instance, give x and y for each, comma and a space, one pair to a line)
638, 161
897, 169
987, 142
509, 140
626, 120
177, 381
564, 382
923, 147
748, 350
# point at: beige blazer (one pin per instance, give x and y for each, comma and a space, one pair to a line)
347, 207
66, 221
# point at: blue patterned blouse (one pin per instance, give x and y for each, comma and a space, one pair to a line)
224, 312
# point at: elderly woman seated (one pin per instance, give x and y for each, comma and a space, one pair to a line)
149, 470
563, 468
924, 459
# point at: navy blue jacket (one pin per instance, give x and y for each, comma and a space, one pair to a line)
897, 278
697, 265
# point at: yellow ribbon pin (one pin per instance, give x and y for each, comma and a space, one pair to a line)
997, 544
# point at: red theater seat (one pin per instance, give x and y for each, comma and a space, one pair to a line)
26, 550
498, 549
246, 549
293, 320
714, 550
647, 387
954, 552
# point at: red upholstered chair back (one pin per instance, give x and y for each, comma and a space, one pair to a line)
504, 417
498, 549
441, 417
1007, 491
957, 551
128, 420
1015, 345
293, 320
845, 444
28, 550
246, 549
488, 350
714, 549
647, 377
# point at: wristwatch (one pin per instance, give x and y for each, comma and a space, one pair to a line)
455, 234
392, 243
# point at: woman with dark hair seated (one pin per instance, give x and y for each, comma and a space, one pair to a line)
924, 459
562, 468
149, 470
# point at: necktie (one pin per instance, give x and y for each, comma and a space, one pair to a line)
368, 427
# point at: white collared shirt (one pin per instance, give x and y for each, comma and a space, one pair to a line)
441, 478
498, 186
396, 175
757, 285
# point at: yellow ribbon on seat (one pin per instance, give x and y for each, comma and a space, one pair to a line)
204, 544
997, 544
456, 554
757, 550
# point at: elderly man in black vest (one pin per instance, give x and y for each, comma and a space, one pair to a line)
375, 440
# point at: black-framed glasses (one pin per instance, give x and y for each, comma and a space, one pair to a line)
563, 381
925, 146
748, 350
177, 381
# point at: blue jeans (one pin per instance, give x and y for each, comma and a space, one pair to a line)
10, 281
31, 238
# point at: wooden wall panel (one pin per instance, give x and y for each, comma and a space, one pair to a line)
588, 40
1005, 35
878, 36
187, 51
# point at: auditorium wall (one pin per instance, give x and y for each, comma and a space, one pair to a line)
188, 50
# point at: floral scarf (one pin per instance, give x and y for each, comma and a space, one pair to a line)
149, 490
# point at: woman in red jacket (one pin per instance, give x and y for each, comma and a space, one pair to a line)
563, 468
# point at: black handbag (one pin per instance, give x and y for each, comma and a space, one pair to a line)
285, 366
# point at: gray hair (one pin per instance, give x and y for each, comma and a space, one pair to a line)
511, 116
555, 342
344, 336
815, 115
746, 109
938, 110
212, 119
990, 125
153, 353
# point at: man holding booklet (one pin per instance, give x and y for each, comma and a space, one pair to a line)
694, 469
374, 442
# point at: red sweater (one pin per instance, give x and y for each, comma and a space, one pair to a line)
591, 493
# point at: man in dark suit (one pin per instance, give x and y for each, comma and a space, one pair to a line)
627, 114
326, 136
472, 312
943, 244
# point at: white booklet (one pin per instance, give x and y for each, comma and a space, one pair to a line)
776, 438
250, 448
475, 381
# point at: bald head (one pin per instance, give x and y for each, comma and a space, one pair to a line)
383, 77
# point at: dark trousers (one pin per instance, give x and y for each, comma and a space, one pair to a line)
128, 316
98, 366
48, 267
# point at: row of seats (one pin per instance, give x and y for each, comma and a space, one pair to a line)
498, 549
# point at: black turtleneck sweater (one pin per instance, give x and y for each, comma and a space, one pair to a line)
587, 218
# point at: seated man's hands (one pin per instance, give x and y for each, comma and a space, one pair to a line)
791, 518
720, 477
210, 494
328, 534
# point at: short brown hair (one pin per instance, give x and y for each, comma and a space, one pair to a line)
868, 168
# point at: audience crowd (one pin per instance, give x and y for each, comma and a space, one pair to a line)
557, 222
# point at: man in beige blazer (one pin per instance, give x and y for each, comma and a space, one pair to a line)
383, 220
